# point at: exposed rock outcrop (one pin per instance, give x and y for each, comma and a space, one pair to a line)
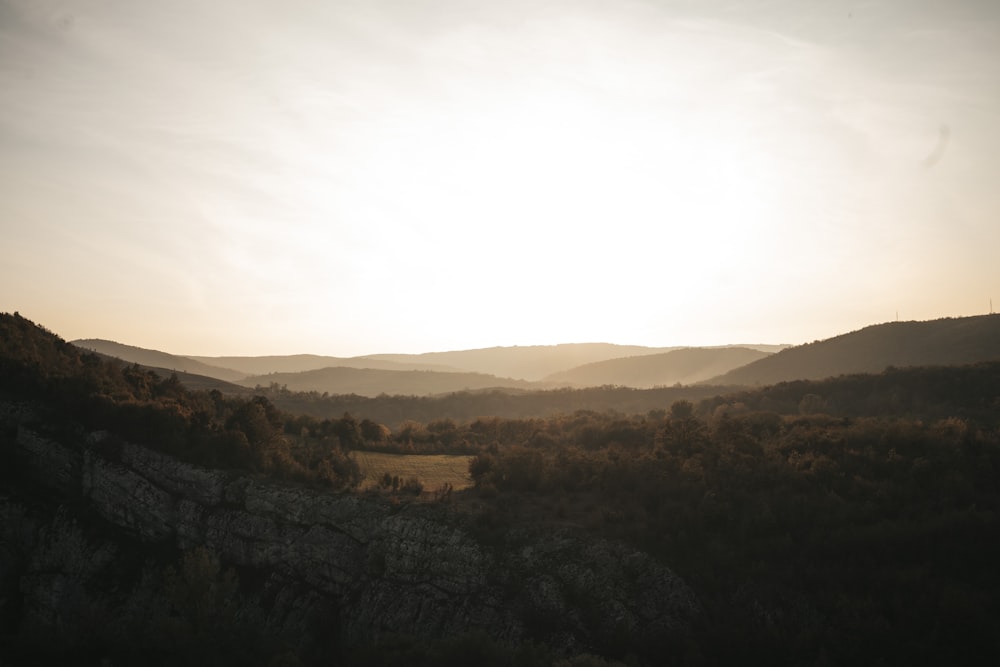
357, 566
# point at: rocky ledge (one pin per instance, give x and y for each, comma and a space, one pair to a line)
85, 524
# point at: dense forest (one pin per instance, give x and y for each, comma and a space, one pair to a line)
394, 410
862, 538
847, 521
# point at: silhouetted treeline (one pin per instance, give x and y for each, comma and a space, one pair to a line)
934, 392
970, 391
468, 405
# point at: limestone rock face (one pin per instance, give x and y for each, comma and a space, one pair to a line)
48, 462
205, 487
361, 566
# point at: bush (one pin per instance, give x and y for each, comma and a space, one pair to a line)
412, 485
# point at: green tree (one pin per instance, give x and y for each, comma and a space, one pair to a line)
208, 622
262, 424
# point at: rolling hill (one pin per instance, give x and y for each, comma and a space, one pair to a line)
372, 382
297, 363
195, 382
157, 359
943, 342
947, 341
531, 362
685, 366
510, 367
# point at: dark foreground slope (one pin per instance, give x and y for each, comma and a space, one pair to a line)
135, 552
121, 552
943, 342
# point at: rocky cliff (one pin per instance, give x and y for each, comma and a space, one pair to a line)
95, 531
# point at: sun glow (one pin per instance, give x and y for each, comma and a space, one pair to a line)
573, 182
389, 176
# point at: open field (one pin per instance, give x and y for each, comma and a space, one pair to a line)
434, 470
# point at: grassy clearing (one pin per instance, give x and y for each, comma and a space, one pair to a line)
434, 470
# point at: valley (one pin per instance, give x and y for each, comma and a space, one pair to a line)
810, 521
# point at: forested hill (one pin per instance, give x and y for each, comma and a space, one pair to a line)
75, 389
685, 366
943, 342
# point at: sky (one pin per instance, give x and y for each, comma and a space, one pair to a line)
276, 177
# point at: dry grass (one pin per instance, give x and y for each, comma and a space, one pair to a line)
433, 470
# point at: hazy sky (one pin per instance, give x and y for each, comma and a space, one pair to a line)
283, 176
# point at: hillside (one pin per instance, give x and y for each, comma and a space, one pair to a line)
195, 382
944, 342
297, 363
531, 362
686, 366
373, 382
157, 359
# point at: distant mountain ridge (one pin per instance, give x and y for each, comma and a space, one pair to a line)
942, 342
949, 341
640, 367
684, 366
527, 362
